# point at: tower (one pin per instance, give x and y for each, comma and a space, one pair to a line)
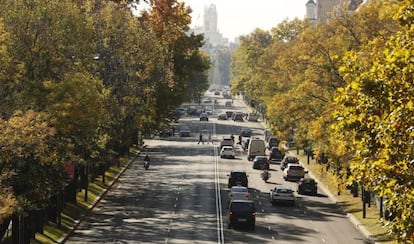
210, 19
311, 11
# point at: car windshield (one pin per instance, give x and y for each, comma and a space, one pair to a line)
239, 189
282, 190
296, 167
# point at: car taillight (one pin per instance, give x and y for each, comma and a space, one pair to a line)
230, 213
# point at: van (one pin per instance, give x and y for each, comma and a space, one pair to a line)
256, 147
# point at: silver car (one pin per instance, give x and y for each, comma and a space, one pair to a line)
282, 194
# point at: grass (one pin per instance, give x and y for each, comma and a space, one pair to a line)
346, 200
73, 213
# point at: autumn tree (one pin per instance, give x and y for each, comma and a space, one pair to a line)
376, 106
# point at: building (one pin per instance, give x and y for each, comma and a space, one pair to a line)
211, 33
322, 10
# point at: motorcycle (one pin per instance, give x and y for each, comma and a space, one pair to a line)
146, 165
265, 176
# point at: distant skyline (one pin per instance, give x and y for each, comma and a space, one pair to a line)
241, 17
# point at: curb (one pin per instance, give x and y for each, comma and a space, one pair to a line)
99, 198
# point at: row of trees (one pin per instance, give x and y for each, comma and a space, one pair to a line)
346, 88
79, 80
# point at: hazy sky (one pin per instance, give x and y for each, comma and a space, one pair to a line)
241, 17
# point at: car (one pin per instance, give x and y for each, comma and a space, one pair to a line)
185, 131
227, 152
229, 114
241, 213
276, 155
293, 171
228, 104
222, 116
237, 178
282, 194
246, 132
252, 117
288, 159
217, 93
260, 162
166, 132
307, 186
272, 142
226, 142
203, 117
239, 193
207, 100
238, 116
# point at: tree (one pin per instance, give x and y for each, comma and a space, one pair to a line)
376, 106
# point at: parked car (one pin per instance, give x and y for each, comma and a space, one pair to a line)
237, 178
246, 132
272, 142
252, 117
228, 104
222, 116
226, 142
185, 131
288, 160
227, 152
260, 162
239, 193
217, 93
241, 212
256, 148
293, 171
281, 194
276, 155
203, 117
307, 186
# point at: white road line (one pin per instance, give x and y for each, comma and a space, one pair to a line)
219, 214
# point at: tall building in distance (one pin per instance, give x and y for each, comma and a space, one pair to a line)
211, 33
322, 10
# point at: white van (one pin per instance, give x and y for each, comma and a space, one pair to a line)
256, 147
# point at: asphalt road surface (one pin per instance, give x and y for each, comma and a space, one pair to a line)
182, 198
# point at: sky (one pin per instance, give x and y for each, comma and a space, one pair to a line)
241, 17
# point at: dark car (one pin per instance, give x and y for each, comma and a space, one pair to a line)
229, 114
238, 117
237, 178
307, 186
288, 160
272, 142
242, 213
260, 162
246, 132
275, 154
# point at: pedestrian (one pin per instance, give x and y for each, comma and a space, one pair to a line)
209, 138
232, 137
200, 139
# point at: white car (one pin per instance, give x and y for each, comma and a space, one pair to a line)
282, 194
239, 193
227, 152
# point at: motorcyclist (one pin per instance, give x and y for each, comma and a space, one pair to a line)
146, 161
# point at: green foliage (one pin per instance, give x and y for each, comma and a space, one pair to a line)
377, 106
